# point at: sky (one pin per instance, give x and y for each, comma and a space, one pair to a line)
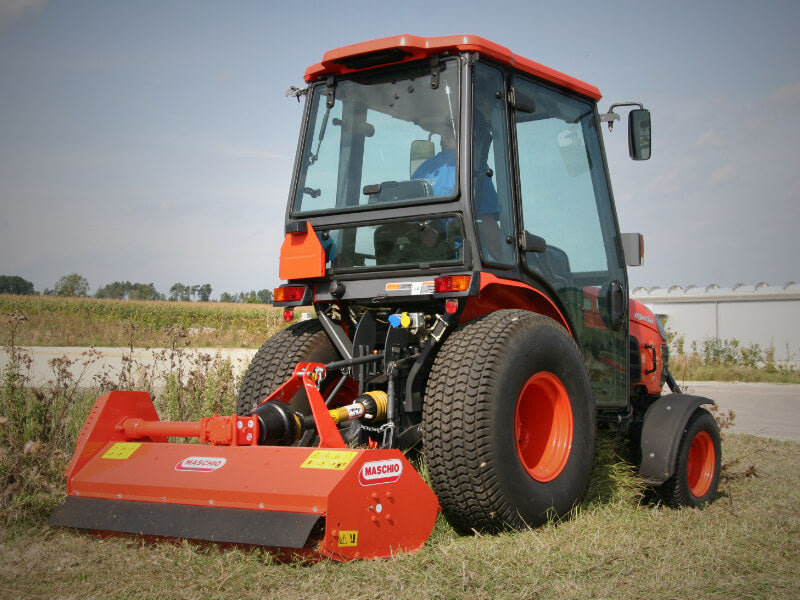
151, 141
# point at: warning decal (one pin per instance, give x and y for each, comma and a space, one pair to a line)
121, 450
347, 538
415, 288
336, 460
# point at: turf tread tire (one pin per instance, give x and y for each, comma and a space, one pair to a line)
462, 418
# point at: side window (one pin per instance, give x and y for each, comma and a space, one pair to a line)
557, 185
491, 187
565, 199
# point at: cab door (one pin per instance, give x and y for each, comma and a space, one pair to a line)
564, 198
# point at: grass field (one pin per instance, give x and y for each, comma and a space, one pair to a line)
745, 545
95, 322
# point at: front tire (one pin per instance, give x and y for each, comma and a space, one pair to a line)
695, 477
509, 423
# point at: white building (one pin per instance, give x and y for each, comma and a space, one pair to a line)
762, 314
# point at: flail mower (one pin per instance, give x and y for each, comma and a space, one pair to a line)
470, 303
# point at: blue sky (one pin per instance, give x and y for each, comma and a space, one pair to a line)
151, 141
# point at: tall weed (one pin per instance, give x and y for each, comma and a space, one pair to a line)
714, 359
40, 423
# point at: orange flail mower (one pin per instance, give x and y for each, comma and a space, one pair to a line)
332, 501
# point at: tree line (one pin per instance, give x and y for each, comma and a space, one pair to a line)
75, 285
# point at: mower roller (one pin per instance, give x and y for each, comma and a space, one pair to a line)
452, 223
329, 500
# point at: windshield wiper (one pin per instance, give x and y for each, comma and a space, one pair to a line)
331, 96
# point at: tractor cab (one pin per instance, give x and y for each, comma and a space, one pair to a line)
451, 169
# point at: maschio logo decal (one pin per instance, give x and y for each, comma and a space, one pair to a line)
200, 464
380, 471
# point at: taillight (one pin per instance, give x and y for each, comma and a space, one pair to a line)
451, 283
289, 293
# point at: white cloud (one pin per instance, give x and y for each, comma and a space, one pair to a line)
255, 152
725, 174
708, 139
787, 96
12, 10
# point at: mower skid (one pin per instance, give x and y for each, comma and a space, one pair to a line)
337, 503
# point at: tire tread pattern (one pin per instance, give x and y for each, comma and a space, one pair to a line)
457, 421
277, 358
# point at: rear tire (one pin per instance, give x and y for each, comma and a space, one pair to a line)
275, 361
695, 477
509, 423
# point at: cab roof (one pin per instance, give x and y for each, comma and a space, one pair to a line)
404, 48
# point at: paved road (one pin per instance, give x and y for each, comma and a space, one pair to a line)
110, 360
764, 409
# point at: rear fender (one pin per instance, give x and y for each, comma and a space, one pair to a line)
497, 294
662, 431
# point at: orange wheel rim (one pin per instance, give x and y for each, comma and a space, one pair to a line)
700, 465
543, 426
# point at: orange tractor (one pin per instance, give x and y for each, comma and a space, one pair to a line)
452, 223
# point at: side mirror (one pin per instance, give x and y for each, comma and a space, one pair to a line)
639, 134
421, 150
633, 248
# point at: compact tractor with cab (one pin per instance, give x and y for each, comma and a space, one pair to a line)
452, 223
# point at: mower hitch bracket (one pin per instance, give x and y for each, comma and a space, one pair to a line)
312, 375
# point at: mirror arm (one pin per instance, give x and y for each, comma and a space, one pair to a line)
611, 116
296, 92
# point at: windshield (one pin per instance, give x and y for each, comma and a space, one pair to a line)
385, 138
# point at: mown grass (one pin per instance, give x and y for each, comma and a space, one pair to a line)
87, 322
745, 545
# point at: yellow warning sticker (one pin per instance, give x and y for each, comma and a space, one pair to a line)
336, 460
348, 538
121, 450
